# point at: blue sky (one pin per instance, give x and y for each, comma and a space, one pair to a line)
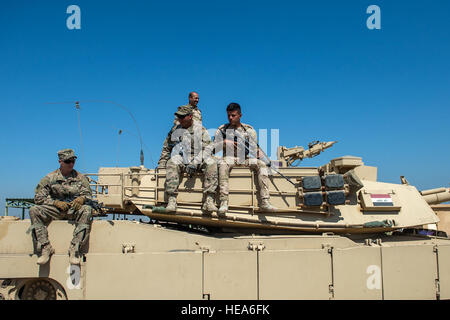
313, 70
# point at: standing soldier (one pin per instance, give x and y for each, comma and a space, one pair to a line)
238, 142
62, 195
183, 150
196, 112
196, 116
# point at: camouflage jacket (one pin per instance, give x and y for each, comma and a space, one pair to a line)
55, 186
190, 143
196, 115
245, 136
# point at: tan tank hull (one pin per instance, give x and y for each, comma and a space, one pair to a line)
298, 252
129, 260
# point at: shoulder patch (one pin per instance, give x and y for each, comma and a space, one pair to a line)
247, 126
79, 175
222, 126
52, 175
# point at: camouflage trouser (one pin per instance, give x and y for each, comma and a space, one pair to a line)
41, 215
175, 168
228, 163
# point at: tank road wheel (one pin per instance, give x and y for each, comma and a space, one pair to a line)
6, 288
39, 289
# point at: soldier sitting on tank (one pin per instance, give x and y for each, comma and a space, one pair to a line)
183, 151
238, 142
62, 195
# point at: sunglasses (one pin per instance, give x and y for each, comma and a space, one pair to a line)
69, 161
181, 117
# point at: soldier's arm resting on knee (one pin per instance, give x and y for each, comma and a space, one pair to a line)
253, 144
165, 152
207, 148
42, 194
85, 193
85, 190
217, 144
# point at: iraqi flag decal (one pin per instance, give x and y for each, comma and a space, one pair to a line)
382, 200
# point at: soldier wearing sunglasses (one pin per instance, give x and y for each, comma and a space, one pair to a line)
184, 151
61, 195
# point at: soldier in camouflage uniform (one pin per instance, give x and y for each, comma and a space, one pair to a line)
196, 116
62, 195
238, 142
196, 112
183, 151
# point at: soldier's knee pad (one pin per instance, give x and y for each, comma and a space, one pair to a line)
261, 164
85, 213
223, 167
211, 162
264, 171
175, 161
86, 208
170, 165
211, 168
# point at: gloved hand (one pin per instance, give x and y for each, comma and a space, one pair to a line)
61, 205
77, 203
191, 168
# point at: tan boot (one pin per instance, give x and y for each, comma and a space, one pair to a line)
266, 206
223, 207
171, 204
46, 253
74, 255
209, 204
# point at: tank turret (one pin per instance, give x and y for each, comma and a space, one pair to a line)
342, 196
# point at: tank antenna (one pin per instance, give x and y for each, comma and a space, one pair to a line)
77, 106
119, 105
118, 148
132, 117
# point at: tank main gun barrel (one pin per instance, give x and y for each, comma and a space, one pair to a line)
436, 196
290, 155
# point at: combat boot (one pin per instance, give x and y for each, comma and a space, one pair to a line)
223, 207
74, 255
171, 204
209, 204
46, 253
266, 206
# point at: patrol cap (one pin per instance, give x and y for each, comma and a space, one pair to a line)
66, 154
183, 110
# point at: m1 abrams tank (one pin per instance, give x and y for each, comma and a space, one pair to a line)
337, 233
